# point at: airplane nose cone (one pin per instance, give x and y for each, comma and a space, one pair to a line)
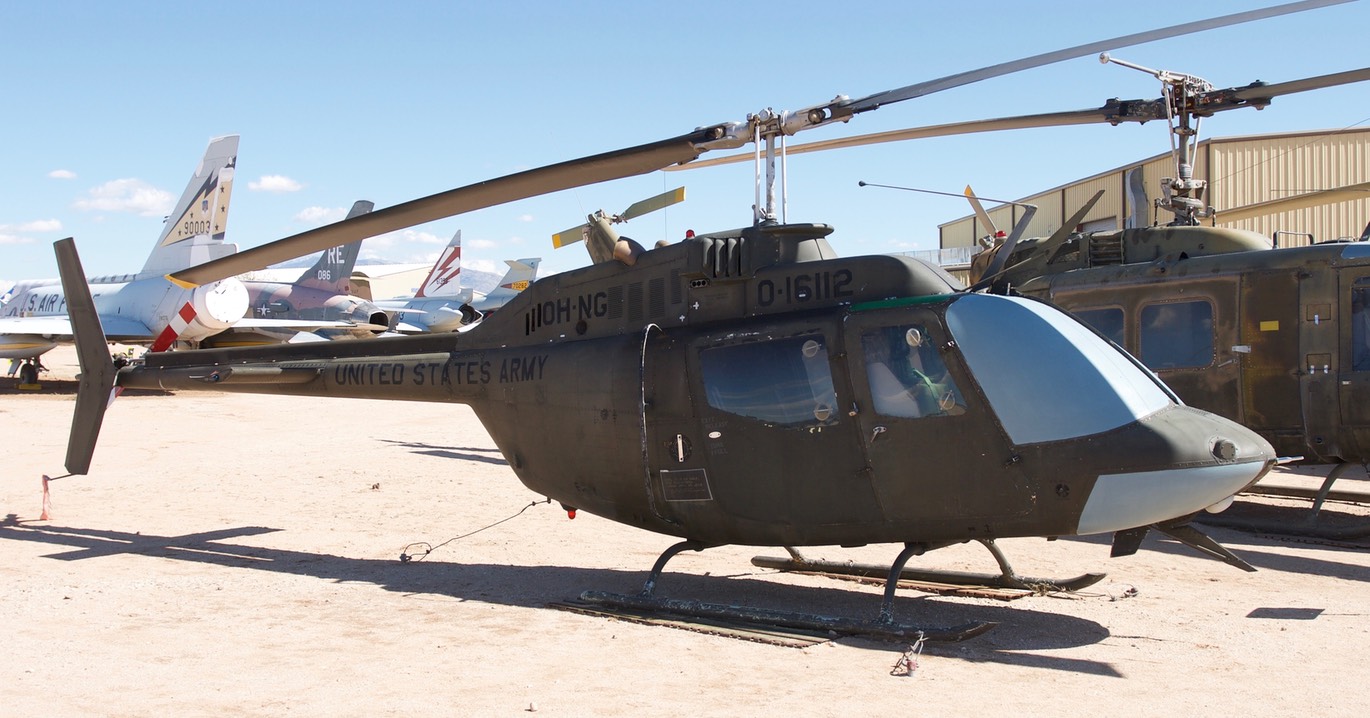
1203, 469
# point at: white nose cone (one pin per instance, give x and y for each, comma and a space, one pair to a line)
220, 304
1142, 498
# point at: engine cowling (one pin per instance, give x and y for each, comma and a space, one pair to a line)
217, 306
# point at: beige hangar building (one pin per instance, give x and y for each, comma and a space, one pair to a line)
1245, 176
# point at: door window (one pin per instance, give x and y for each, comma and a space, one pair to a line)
781, 381
1360, 325
1107, 321
906, 374
1177, 335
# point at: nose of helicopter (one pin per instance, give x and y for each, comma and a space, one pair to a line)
1201, 461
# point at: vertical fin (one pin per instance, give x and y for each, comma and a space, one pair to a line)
97, 369
521, 273
333, 270
444, 279
195, 230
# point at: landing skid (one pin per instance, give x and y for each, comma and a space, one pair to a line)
888, 630
1006, 578
883, 626
1309, 525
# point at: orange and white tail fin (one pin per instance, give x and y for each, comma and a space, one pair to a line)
444, 280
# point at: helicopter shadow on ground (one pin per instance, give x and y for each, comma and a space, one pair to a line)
1022, 629
1252, 549
464, 453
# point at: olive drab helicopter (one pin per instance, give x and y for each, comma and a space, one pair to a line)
750, 387
1273, 338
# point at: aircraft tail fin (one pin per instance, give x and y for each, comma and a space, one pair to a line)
444, 279
521, 273
333, 271
194, 231
93, 393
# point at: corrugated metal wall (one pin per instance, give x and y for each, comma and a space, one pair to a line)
1252, 170
1245, 170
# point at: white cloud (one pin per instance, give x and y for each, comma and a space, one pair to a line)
525, 218
321, 215
127, 195
41, 225
275, 183
7, 238
62, 174
403, 237
484, 265
425, 238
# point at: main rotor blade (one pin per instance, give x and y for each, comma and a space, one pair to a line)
1046, 250
531, 183
661, 201
1005, 251
1049, 119
1299, 201
909, 92
1112, 112
1259, 92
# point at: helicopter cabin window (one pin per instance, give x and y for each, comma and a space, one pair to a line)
1107, 321
784, 381
1177, 335
1360, 325
906, 374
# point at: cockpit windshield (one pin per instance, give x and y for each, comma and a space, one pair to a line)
1047, 376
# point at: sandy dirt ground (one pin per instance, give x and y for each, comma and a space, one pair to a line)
239, 555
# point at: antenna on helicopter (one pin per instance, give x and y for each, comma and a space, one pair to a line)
990, 277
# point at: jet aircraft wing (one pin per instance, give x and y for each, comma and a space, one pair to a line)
116, 328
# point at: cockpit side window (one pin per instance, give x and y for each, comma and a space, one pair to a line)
1177, 335
906, 374
787, 381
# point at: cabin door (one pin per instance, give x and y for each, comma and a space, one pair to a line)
756, 425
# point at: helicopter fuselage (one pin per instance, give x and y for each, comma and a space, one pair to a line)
1274, 339
750, 388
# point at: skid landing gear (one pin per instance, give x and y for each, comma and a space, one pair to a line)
884, 626
1006, 578
1309, 525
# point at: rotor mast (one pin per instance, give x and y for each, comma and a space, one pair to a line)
766, 131
1183, 195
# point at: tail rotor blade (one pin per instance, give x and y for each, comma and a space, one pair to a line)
996, 266
980, 212
570, 236
661, 201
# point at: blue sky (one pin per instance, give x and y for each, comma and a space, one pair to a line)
108, 106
